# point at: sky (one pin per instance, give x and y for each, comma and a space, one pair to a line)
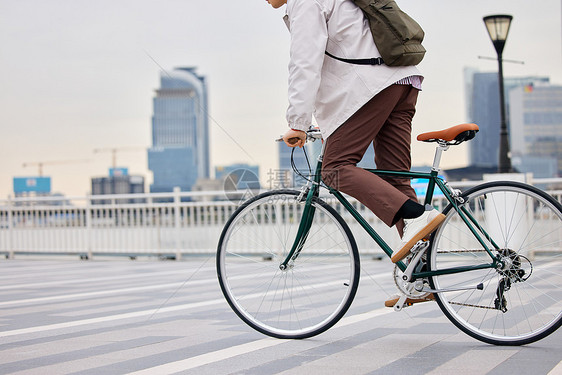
76, 76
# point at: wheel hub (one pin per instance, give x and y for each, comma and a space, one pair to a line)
514, 266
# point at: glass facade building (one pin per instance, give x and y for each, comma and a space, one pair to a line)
483, 108
536, 129
180, 131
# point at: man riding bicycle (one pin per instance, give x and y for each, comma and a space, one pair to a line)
355, 105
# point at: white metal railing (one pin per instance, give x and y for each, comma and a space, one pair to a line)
162, 224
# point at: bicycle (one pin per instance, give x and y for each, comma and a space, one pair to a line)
289, 267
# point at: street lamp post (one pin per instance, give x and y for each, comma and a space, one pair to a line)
498, 28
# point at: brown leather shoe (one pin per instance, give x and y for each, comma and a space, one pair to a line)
409, 301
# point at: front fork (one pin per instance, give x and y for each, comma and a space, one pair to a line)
311, 192
304, 227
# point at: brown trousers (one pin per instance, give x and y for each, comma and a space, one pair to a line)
385, 121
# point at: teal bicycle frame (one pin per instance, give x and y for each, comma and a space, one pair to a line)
433, 180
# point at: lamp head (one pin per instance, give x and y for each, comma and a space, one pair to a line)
498, 28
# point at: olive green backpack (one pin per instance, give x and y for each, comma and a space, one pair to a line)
397, 36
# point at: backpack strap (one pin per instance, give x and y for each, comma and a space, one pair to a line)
371, 61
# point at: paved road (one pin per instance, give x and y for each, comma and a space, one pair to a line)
117, 316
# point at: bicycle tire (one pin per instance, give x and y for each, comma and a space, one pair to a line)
522, 302
304, 300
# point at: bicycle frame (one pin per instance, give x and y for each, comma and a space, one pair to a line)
313, 189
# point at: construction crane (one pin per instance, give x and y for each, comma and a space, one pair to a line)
40, 164
114, 151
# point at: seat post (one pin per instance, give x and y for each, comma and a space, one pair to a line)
442, 146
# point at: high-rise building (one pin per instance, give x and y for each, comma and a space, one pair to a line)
117, 184
483, 108
180, 131
535, 114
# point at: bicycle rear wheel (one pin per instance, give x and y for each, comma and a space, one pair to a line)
521, 302
313, 292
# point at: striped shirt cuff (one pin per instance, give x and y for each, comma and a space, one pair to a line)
414, 81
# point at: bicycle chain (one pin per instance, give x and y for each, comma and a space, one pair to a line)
469, 305
458, 303
462, 251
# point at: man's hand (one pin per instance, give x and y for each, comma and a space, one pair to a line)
294, 138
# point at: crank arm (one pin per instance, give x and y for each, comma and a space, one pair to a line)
400, 304
419, 249
428, 290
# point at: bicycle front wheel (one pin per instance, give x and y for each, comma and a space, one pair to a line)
520, 301
313, 292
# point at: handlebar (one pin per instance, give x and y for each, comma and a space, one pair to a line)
312, 135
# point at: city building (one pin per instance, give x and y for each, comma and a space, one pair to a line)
38, 186
483, 108
482, 103
180, 131
118, 183
535, 114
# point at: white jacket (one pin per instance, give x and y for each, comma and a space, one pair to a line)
319, 85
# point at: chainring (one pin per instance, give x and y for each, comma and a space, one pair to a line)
405, 287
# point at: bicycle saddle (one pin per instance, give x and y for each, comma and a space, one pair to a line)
452, 136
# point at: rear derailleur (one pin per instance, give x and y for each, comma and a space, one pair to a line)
512, 271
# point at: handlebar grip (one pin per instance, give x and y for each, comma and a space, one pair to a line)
293, 140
